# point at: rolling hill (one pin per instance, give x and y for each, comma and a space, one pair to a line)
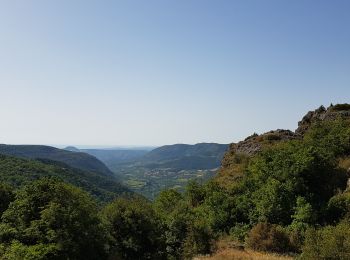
186, 157
18, 171
79, 160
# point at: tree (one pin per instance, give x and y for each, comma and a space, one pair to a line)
195, 193
278, 176
6, 196
338, 208
53, 220
166, 201
134, 229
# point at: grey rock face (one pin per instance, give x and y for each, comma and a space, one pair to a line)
322, 114
254, 143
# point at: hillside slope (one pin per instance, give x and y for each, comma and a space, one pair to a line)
237, 156
77, 160
18, 171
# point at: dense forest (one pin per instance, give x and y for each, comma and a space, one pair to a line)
18, 172
283, 192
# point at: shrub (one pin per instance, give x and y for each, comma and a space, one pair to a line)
198, 239
331, 242
272, 137
338, 207
268, 237
341, 107
251, 136
239, 158
240, 232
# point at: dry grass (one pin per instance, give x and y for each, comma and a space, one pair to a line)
236, 254
345, 163
228, 250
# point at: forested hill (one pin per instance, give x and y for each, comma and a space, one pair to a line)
185, 156
18, 172
77, 160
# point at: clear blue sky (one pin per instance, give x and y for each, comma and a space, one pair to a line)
163, 72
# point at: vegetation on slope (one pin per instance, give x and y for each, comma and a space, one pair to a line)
51, 220
18, 172
80, 161
187, 157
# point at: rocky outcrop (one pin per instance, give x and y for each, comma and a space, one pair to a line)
254, 143
323, 114
238, 154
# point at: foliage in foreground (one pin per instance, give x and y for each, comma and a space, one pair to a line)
330, 242
134, 230
51, 220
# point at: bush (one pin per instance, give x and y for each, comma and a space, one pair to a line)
296, 239
198, 239
338, 207
272, 137
268, 237
239, 232
331, 242
341, 107
18, 250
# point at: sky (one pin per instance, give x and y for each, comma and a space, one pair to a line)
162, 72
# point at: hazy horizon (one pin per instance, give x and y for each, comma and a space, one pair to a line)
150, 73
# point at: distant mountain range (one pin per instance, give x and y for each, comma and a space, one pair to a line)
111, 157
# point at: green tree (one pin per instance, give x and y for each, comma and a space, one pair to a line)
278, 176
52, 220
134, 229
303, 214
167, 201
195, 193
338, 208
6, 196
